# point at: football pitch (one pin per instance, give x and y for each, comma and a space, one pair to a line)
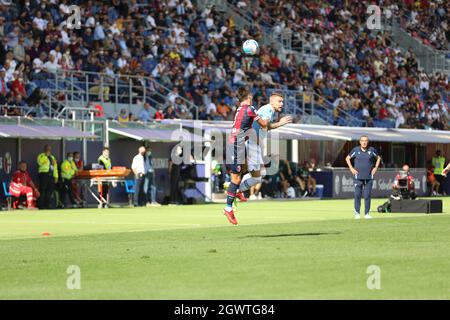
280, 250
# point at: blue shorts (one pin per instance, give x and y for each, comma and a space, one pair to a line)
236, 157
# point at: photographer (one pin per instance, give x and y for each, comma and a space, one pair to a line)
403, 187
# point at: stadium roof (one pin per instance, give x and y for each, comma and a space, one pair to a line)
283, 133
160, 135
380, 134
323, 133
41, 132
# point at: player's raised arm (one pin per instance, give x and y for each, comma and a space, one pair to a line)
283, 121
264, 123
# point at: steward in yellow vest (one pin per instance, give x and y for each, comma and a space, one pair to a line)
48, 176
68, 168
105, 161
438, 162
47, 164
68, 171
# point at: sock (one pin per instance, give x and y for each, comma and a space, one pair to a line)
249, 182
244, 182
231, 194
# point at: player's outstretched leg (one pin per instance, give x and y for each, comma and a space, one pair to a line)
228, 210
241, 196
249, 180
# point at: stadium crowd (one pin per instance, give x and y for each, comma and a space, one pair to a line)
428, 21
197, 54
360, 72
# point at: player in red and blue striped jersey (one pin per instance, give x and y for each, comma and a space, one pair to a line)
236, 159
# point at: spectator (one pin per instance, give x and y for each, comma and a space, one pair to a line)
145, 115
123, 116
302, 179
159, 115
19, 50
4, 90
287, 179
18, 86
38, 67
223, 110
170, 113
211, 110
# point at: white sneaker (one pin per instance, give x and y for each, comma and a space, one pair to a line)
155, 204
367, 216
253, 197
357, 216
259, 196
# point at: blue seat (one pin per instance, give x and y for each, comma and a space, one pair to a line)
44, 84
130, 186
8, 195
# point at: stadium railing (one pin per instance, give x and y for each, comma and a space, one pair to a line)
314, 108
286, 41
429, 58
79, 88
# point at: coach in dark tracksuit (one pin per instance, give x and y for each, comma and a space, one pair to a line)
366, 163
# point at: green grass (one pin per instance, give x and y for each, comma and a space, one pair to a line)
280, 250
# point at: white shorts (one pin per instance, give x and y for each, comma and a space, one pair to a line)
254, 157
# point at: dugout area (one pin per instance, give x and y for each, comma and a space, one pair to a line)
23, 139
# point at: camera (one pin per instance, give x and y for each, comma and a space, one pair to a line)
403, 189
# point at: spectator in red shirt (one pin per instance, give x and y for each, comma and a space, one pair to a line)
100, 112
21, 184
18, 86
382, 113
159, 115
275, 62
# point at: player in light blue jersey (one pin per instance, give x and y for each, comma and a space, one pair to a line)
254, 153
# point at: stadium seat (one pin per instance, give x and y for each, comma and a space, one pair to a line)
8, 195
129, 188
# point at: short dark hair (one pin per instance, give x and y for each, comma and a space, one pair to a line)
276, 94
105, 148
242, 93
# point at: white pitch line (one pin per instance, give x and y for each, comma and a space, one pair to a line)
100, 223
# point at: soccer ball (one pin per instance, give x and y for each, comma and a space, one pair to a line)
250, 47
